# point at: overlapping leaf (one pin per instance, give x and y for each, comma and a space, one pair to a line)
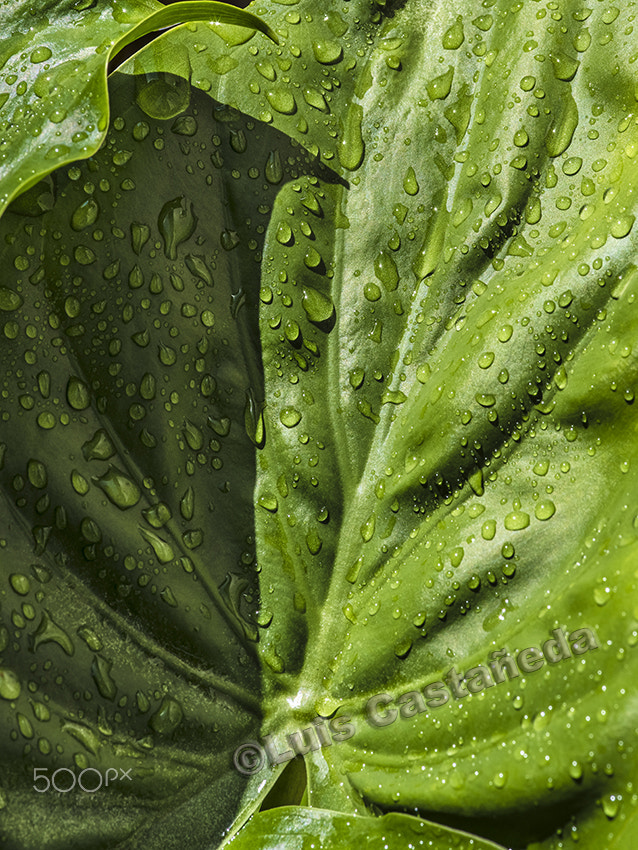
444, 417
53, 64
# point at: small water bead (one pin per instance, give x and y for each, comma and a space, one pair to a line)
410, 184
561, 130
486, 359
315, 98
290, 416
313, 542
483, 22
488, 529
372, 292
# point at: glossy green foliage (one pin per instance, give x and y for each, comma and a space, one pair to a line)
53, 63
318, 383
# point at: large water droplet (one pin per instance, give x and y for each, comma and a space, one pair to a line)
318, 306
351, 146
119, 489
177, 223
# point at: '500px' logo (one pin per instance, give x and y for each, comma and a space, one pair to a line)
64, 779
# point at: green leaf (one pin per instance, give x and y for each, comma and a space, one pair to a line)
301, 828
53, 63
385, 273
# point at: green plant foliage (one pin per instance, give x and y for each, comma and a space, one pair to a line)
53, 63
318, 383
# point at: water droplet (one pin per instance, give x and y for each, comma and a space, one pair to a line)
167, 718
101, 673
187, 504
79, 483
318, 306
516, 521
163, 96
367, 529
393, 397
314, 98
622, 225
454, 36
85, 215
505, 333
439, 87
284, 233
77, 393
140, 234
562, 128
544, 509
576, 770
274, 171
290, 417
351, 146
327, 52
118, 488
488, 530
312, 258
184, 125
254, 420
372, 292
10, 686
386, 271
313, 542
37, 474
40, 54
282, 101
49, 631
161, 548
99, 447
177, 223
158, 515
9, 300
268, 501
565, 66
